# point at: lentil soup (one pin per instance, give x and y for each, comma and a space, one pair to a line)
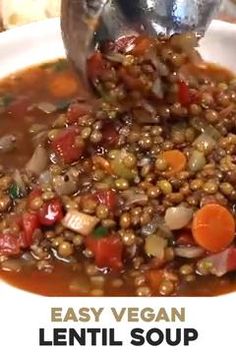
129, 191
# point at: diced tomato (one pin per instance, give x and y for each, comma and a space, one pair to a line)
9, 244
124, 44
51, 212
221, 263
19, 107
184, 95
185, 239
231, 262
77, 110
95, 66
108, 198
30, 223
107, 251
65, 146
110, 135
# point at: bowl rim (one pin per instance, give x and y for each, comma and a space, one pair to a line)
12, 33
37, 30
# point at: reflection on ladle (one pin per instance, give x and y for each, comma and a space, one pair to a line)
87, 22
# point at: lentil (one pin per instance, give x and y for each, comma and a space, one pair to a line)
143, 291
186, 269
165, 187
166, 288
122, 184
65, 249
102, 212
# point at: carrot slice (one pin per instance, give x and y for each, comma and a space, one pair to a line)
213, 227
63, 85
176, 161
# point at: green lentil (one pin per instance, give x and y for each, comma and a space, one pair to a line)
122, 184
166, 288
210, 187
125, 221
102, 212
165, 187
65, 249
130, 160
186, 269
161, 164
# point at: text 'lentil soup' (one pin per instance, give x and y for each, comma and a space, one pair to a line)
129, 191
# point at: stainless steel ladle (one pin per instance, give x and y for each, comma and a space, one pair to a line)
85, 23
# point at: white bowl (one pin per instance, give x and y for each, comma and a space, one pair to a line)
40, 42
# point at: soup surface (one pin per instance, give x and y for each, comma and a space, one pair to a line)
126, 191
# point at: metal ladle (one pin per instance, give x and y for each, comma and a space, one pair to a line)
85, 23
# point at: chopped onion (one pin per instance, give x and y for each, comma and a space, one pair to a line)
37, 128
131, 251
144, 161
46, 107
155, 246
157, 88
189, 252
148, 107
116, 57
160, 67
82, 223
7, 143
40, 138
201, 126
45, 178
132, 197
178, 217
39, 161
205, 143
197, 161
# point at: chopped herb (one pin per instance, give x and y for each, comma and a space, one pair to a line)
5, 100
103, 93
63, 105
15, 191
100, 232
57, 66
46, 66
60, 65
